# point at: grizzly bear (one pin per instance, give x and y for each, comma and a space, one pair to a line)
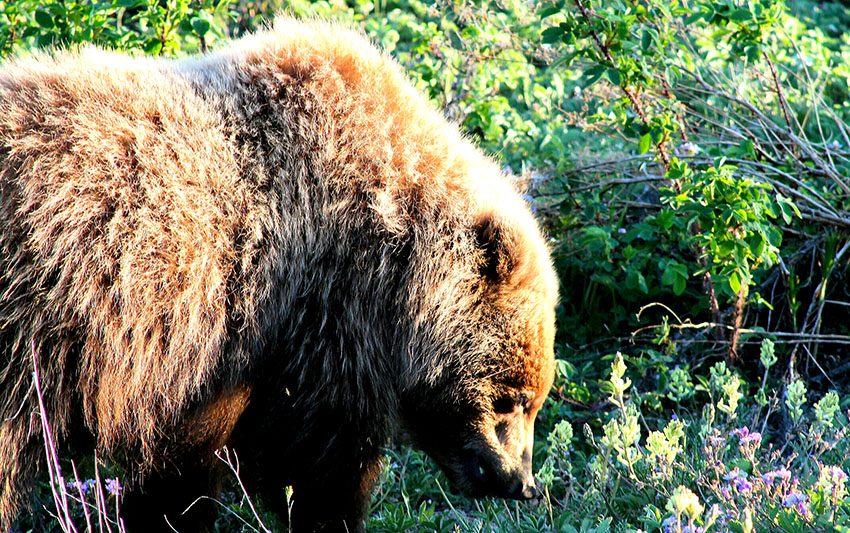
280, 247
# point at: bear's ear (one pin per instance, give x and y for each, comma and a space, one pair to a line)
492, 240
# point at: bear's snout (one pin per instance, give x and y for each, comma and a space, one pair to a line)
487, 479
524, 489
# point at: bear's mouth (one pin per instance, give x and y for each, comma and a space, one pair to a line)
477, 476
481, 479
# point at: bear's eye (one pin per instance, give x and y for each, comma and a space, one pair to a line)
508, 404
504, 405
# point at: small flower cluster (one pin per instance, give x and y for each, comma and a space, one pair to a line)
113, 486
777, 477
683, 503
748, 441
737, 479
797, 501
747, 483
747, 438
832, 481
742, 489
80, 486
671, 525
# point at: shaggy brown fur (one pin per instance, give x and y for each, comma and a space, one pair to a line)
280, 247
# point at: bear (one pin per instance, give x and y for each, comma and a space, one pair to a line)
281, 247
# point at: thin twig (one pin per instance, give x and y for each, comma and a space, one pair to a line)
630, 95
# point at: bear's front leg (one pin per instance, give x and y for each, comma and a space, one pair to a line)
338, 503
180, 502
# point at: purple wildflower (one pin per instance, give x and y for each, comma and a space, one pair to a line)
739, 479
669, 525
716, 441
745, 436
687, 149
113, 487
794, 499
781, 473
724, 518
78, 486
742, 485
741, 432
530, 199
838, 475
734, 474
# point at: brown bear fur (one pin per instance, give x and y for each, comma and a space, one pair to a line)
280, 247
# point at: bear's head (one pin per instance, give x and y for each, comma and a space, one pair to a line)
481, 357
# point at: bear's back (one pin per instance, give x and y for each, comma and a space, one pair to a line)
119, 189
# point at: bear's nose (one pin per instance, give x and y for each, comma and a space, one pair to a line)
524, 489
530, 492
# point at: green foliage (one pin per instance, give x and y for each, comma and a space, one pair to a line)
703, 89
731, 219
680, 387
795, 399
724, 388
149, 26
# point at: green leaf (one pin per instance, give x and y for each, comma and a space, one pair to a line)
471, 32
757, 245
725, 248
45, 39
614, 75
152, 47
665, 218
56, 10
644, 143
552, 35
44, 19
592, 74
676, 275
752, 53
693, 17
679, 285
645, 40
635, 280
669, 275
30, 32
741, 15
735, 282
200, 26
549, 11
786, 211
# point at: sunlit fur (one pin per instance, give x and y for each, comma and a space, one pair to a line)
281, 246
